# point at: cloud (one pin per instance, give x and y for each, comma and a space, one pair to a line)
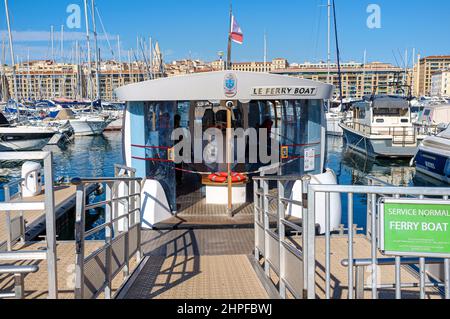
45, 36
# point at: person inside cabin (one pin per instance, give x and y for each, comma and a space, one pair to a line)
179, 166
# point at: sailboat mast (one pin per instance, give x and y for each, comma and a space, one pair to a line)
88, 43
13, 63
52, 40
265, 52
97, 52
62, 43
329, 41
3, 78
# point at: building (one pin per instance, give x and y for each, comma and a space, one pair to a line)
440, 84
47, 79
425, 69
357, 79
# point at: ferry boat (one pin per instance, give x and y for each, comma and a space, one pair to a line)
291, 110
433, 156
382, 128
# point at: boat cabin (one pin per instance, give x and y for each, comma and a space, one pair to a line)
381, 112
198, 139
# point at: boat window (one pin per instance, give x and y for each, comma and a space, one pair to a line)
404, 120
380, 120
427, 112
390, 112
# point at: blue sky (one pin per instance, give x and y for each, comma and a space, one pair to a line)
296, 29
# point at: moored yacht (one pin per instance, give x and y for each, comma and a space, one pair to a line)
23, 138
382, 127
433, 156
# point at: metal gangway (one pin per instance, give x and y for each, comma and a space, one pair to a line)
300, 264
16, 229
103, 257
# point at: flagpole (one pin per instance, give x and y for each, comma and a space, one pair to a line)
229, 39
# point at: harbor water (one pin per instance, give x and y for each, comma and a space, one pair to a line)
96, 156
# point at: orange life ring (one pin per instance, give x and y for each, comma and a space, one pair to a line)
223, 177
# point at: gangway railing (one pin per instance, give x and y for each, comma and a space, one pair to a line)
15, 227
95, 273
271, 243
373, 193
22, 207
295, 261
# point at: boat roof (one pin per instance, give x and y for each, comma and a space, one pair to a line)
387, 101
225, 85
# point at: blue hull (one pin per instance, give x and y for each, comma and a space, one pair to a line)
434, 165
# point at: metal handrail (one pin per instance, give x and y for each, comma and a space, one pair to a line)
84, 181
48, 206
373, 193
390, 261
131, 202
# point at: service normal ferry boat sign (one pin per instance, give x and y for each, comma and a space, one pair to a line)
419, 228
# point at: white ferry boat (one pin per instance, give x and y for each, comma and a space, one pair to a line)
290, 108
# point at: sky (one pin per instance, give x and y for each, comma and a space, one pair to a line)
296, 29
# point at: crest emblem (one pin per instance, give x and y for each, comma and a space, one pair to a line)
230, 85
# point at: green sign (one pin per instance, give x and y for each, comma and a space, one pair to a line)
415, 228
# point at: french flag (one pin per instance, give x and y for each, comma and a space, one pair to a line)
236, 32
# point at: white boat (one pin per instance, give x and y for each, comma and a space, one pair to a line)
382, 128
433, 156
23, 138
433, 119
89, 125
197, 103
333, 120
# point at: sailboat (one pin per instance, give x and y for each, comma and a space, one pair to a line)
91, 123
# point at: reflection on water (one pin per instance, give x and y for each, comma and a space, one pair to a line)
96, 156
85, 157
352, 168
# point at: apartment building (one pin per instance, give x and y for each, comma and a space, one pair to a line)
425, 69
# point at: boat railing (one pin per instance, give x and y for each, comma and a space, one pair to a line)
373, 194
22, 206
120, 233
400, 135
427, 129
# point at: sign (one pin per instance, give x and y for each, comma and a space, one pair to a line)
171, 154
284, 152
284, 91
419, 228
310, 159
230, 85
